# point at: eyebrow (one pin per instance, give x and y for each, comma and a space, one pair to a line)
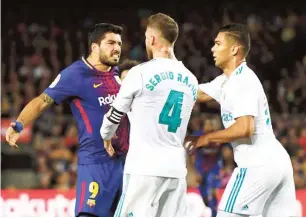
110, 40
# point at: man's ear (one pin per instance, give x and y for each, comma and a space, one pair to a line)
153, 40
95, 47
235, 49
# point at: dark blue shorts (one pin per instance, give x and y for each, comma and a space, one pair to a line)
99, 188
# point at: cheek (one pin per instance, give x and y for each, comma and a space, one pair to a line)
105, 49
222, 51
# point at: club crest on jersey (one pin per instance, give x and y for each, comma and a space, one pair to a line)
91, 203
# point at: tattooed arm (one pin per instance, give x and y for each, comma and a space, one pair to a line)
30, 113
34, 108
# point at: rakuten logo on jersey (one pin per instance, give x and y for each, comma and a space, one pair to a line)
106, 100
58, 206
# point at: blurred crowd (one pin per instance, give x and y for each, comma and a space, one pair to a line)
35, 49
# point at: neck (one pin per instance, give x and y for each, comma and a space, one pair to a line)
94, 61
232, 65
164, 52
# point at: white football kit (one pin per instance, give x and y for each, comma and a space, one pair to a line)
263, 183
159, 96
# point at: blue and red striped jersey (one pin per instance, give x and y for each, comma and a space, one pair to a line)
90, 93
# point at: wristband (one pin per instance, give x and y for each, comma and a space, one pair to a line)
18, 126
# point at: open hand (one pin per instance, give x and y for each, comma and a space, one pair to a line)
12, 136
109, 147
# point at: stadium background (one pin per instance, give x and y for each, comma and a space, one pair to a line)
39, 39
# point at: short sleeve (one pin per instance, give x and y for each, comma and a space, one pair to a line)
62, 87
213, 88
131, 87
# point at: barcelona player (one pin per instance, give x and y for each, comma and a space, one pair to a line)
89, 85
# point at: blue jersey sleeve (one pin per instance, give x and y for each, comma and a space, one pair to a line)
63, 87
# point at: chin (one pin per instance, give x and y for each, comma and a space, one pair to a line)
114, 62
217, 64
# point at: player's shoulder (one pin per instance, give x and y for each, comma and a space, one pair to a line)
115, 71
141, 68
191, 75
246, 77
74, 69
245, 73
144, 65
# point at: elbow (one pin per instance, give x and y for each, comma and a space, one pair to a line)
248, 131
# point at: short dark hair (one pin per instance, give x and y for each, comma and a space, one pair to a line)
166, 25
127, 64
97, 32
240, 33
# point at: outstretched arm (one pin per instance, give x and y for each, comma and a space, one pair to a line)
29, 114
211, 90
203, 97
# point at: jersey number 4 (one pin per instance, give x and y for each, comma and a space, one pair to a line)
171, 112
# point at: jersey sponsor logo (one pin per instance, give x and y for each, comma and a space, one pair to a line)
227, 117
97, 85
106, 100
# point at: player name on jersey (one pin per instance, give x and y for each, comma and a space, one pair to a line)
157, 78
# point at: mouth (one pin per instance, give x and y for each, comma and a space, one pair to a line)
116, 55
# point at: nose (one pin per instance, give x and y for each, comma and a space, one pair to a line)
212, 49
117, 48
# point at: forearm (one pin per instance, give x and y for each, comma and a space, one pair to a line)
203, 97
230, 134
110, 123
34, 108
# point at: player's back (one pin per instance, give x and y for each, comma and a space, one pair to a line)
159, 117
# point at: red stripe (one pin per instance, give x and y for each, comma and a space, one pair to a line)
83, 114
82, 196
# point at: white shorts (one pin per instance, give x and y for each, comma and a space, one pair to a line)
152, 196
266, 191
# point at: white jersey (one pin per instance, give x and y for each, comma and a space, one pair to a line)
159, 96
239, 95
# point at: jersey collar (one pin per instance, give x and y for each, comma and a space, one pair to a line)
95, 69
87, 63
238, 70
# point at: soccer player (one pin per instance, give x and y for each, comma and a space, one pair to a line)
160, 95
90, 86
125, 66
262, 184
